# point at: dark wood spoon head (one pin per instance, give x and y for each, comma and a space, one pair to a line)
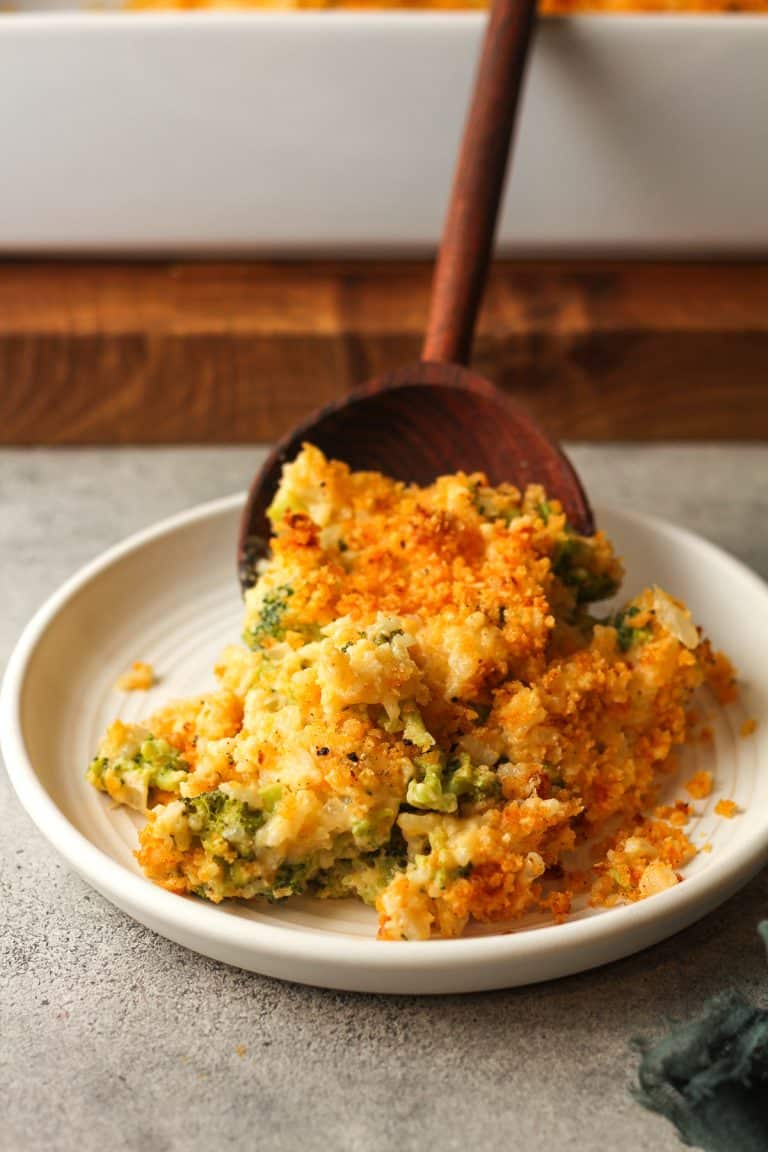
415, 424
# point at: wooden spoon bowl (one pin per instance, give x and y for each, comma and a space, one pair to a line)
414, 424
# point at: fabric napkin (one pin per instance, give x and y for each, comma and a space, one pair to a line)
709, 1077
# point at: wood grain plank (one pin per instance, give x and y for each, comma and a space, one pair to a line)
237, 352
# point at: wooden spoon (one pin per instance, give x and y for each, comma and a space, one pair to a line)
435, 417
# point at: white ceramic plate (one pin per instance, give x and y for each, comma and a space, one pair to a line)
336, 132
169, 596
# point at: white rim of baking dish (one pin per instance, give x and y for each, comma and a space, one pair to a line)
668, 911
176, 18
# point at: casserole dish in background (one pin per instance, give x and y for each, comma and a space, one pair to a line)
314, 132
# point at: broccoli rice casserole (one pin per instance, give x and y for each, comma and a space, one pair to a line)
426, 714
546, 8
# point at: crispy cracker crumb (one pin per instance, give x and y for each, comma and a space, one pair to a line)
700, 785
139, 678
677, 814
241, 1050
656, 877
726, 808
423, 714
747, 728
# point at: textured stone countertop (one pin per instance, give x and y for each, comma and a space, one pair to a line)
113, 1038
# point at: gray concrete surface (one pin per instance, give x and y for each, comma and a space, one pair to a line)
113, 1038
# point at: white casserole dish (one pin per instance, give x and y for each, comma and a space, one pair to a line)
301, 132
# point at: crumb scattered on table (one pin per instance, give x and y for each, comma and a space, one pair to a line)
241, 1050
139, 678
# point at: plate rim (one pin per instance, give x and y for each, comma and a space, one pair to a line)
210, 923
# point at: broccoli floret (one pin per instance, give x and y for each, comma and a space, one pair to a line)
493, 505
369, 834
415, 731
412, 726
572, 564
474, 781
96, 770
366, 875
461, 781
292, 879
128, 778
223, 823
441, 785
270, 622
428, 791
166, 765
270, 796
626, 634
387, 635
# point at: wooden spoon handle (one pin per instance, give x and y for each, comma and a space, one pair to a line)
465, 249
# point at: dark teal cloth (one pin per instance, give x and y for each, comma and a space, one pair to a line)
709, 1077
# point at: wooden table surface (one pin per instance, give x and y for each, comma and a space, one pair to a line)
237, 352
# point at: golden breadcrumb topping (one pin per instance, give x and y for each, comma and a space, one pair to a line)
700, 785
427, 713
547, 7
139, 678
